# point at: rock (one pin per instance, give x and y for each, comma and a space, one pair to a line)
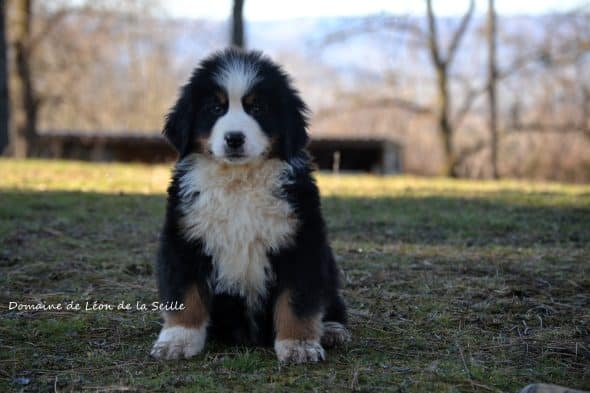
545, 388
22, 381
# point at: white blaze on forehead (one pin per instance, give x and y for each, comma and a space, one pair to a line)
237, 76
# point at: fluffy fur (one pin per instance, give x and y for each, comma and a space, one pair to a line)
177, 341
244, 242
243, 205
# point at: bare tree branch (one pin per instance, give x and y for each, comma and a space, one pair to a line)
538, 127
470, 151
460, 32
534, 127
433, 45
375, 24
470, 97
379, 103
50, 23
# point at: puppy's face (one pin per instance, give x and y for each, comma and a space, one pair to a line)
232, 127
238, 107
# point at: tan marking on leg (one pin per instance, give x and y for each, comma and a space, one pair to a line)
297, 339
194, 314
289, 327
185, 331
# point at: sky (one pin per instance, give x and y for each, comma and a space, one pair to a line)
263, 10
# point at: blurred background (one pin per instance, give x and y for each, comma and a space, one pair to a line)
475, 89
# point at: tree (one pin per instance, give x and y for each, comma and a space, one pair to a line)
411, 35
442, 64
491, 89
4, 95
23, 102
237, 26
99, 66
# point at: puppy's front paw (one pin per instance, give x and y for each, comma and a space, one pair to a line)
176, 342
299, 351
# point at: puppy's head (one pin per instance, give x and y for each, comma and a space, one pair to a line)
238, 107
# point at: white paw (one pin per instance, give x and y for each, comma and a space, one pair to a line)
335, 333
299, 351
176, 342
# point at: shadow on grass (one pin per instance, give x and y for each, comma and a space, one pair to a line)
117, 234
448, 220
494, 218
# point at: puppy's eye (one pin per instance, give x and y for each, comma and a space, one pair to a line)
217, 109
256, 107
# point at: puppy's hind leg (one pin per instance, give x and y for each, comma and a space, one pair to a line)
334, 330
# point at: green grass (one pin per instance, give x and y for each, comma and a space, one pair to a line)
452, 285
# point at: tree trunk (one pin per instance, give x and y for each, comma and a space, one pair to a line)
23, 102
441, 65
4, 96
444, 124
492, 79
237, 26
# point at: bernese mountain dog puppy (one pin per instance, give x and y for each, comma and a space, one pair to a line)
244, 245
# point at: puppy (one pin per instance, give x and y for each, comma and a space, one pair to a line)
244, 246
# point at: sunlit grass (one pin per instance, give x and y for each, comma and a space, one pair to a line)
46, 175
377, 186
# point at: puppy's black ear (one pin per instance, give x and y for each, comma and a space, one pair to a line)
296, 117
179, 122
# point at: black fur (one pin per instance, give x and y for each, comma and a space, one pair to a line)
306, 268
285, 118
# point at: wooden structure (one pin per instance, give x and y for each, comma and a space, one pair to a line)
334, 154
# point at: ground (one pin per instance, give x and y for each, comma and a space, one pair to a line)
452, 285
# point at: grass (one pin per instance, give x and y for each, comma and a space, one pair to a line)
452, 285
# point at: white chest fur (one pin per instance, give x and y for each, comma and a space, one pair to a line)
239, 216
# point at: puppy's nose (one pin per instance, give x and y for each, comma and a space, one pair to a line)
234, 139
